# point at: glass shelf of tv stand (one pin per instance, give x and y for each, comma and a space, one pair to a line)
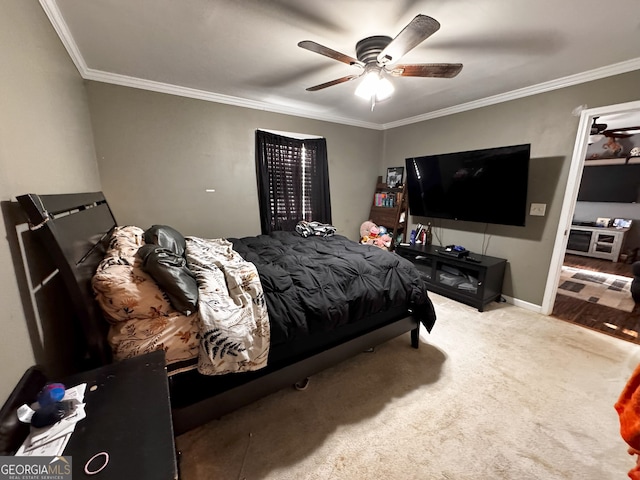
425, 264
482, 282
457, 277
604, 243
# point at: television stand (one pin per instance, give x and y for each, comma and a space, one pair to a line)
475, 280
597, 242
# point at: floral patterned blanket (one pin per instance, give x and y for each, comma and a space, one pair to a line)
234, 324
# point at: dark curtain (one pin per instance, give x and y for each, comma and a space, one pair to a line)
293, 181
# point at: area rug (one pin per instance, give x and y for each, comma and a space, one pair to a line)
601, 288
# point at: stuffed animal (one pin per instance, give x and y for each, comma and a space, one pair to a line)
383, 241
366, 227
365, 232
371, 234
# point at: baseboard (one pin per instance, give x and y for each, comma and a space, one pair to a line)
522, 304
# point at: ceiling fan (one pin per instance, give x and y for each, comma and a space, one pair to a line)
599, 131
377, 56
597, 128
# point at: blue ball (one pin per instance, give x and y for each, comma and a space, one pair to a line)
50, 394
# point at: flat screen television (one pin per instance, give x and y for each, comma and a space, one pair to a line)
610, 183
488, 186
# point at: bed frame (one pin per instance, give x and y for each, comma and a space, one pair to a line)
75, 229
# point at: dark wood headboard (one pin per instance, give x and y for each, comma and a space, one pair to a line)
75, 230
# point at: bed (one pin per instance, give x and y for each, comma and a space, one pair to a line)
353, 297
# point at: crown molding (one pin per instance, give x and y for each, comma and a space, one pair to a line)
588, 76
52, 11
55, 17
133, 82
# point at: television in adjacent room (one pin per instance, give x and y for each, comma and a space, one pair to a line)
488, 186
610, 183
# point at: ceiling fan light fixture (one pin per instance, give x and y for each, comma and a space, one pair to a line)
376, 55
374, 85
384, 89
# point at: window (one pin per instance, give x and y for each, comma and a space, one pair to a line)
293, 181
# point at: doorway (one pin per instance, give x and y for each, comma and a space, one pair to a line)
593, 316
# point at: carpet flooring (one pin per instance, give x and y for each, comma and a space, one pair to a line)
503, 394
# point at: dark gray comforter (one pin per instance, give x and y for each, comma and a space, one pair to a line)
316, 284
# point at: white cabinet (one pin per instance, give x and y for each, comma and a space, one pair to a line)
596, 242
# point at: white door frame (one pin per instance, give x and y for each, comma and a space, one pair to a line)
571, 195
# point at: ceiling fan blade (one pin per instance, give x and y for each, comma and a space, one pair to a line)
418, 30
332, 83
441, 70
327, 52
623, 131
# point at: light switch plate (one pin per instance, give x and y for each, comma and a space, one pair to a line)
538, 209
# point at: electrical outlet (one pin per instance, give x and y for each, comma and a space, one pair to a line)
538, 209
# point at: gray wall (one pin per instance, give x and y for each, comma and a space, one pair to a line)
174, 148
158, 153
545, 121
46, 146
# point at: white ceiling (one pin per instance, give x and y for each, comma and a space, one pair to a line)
244, 52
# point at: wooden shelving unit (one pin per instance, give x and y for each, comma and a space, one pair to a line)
391, 213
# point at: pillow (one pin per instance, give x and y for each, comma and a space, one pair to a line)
166, 237
170, 271
125, 242
124, 291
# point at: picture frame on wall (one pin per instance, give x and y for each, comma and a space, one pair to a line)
395, 176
